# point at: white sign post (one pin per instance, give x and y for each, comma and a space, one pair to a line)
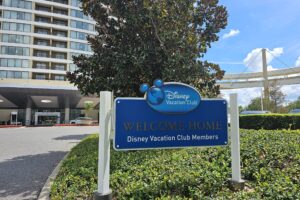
236, 181
104, 192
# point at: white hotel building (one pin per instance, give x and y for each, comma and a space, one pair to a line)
38, 39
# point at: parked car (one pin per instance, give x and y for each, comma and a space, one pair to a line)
295, 111
254, 112
83, 121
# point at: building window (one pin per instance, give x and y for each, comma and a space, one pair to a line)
72, 67
79, 14
17, 15
18, 4
5, 62
18, 75
15, 51
3, 74
21, 39
76, 3
16, 27
82, 25
80, 46
78, 35
14, 74
25, 75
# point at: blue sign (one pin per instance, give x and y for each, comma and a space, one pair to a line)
140, 126
172, 98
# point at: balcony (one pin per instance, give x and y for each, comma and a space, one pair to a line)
42, 8
42, 19
60, 33
39, 53
60, 22
40, 65
43, 31
41, 42
60, 1
58, 77
60, 11
59, 44
58, 66
59, 55
38, 76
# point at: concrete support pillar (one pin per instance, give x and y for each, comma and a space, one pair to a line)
58, 119
67, 110
266, 81
36, 119
28, 112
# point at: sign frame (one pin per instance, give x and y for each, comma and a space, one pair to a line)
175, 147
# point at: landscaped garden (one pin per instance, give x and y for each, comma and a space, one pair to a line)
270, 165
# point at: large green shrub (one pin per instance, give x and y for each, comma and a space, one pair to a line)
270, 164
270, 121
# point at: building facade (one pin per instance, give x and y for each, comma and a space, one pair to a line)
38, 40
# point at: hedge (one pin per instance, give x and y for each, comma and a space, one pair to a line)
270, 121
270, 164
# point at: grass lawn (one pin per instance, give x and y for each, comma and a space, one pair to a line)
270, 164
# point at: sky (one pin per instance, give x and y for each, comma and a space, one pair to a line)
256, 24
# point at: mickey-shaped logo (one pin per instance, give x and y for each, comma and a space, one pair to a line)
155, 94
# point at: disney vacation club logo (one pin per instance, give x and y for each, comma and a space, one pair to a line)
169, 94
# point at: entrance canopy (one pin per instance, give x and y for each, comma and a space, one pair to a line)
43, 98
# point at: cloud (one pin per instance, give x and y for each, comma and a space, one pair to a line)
298, 62
245, 95
254, 59
292, 92
232, 33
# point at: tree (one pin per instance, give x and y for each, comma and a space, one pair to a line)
241, 108
294, 105
255, 104
88, 106
277, 98
139, 41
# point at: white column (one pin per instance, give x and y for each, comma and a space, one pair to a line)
104, 143
67, 110
28, 112
36, 119
235, 139
58, 119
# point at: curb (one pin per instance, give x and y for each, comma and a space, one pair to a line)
45, 192
11, 126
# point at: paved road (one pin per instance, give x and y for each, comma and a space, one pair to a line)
29, 155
